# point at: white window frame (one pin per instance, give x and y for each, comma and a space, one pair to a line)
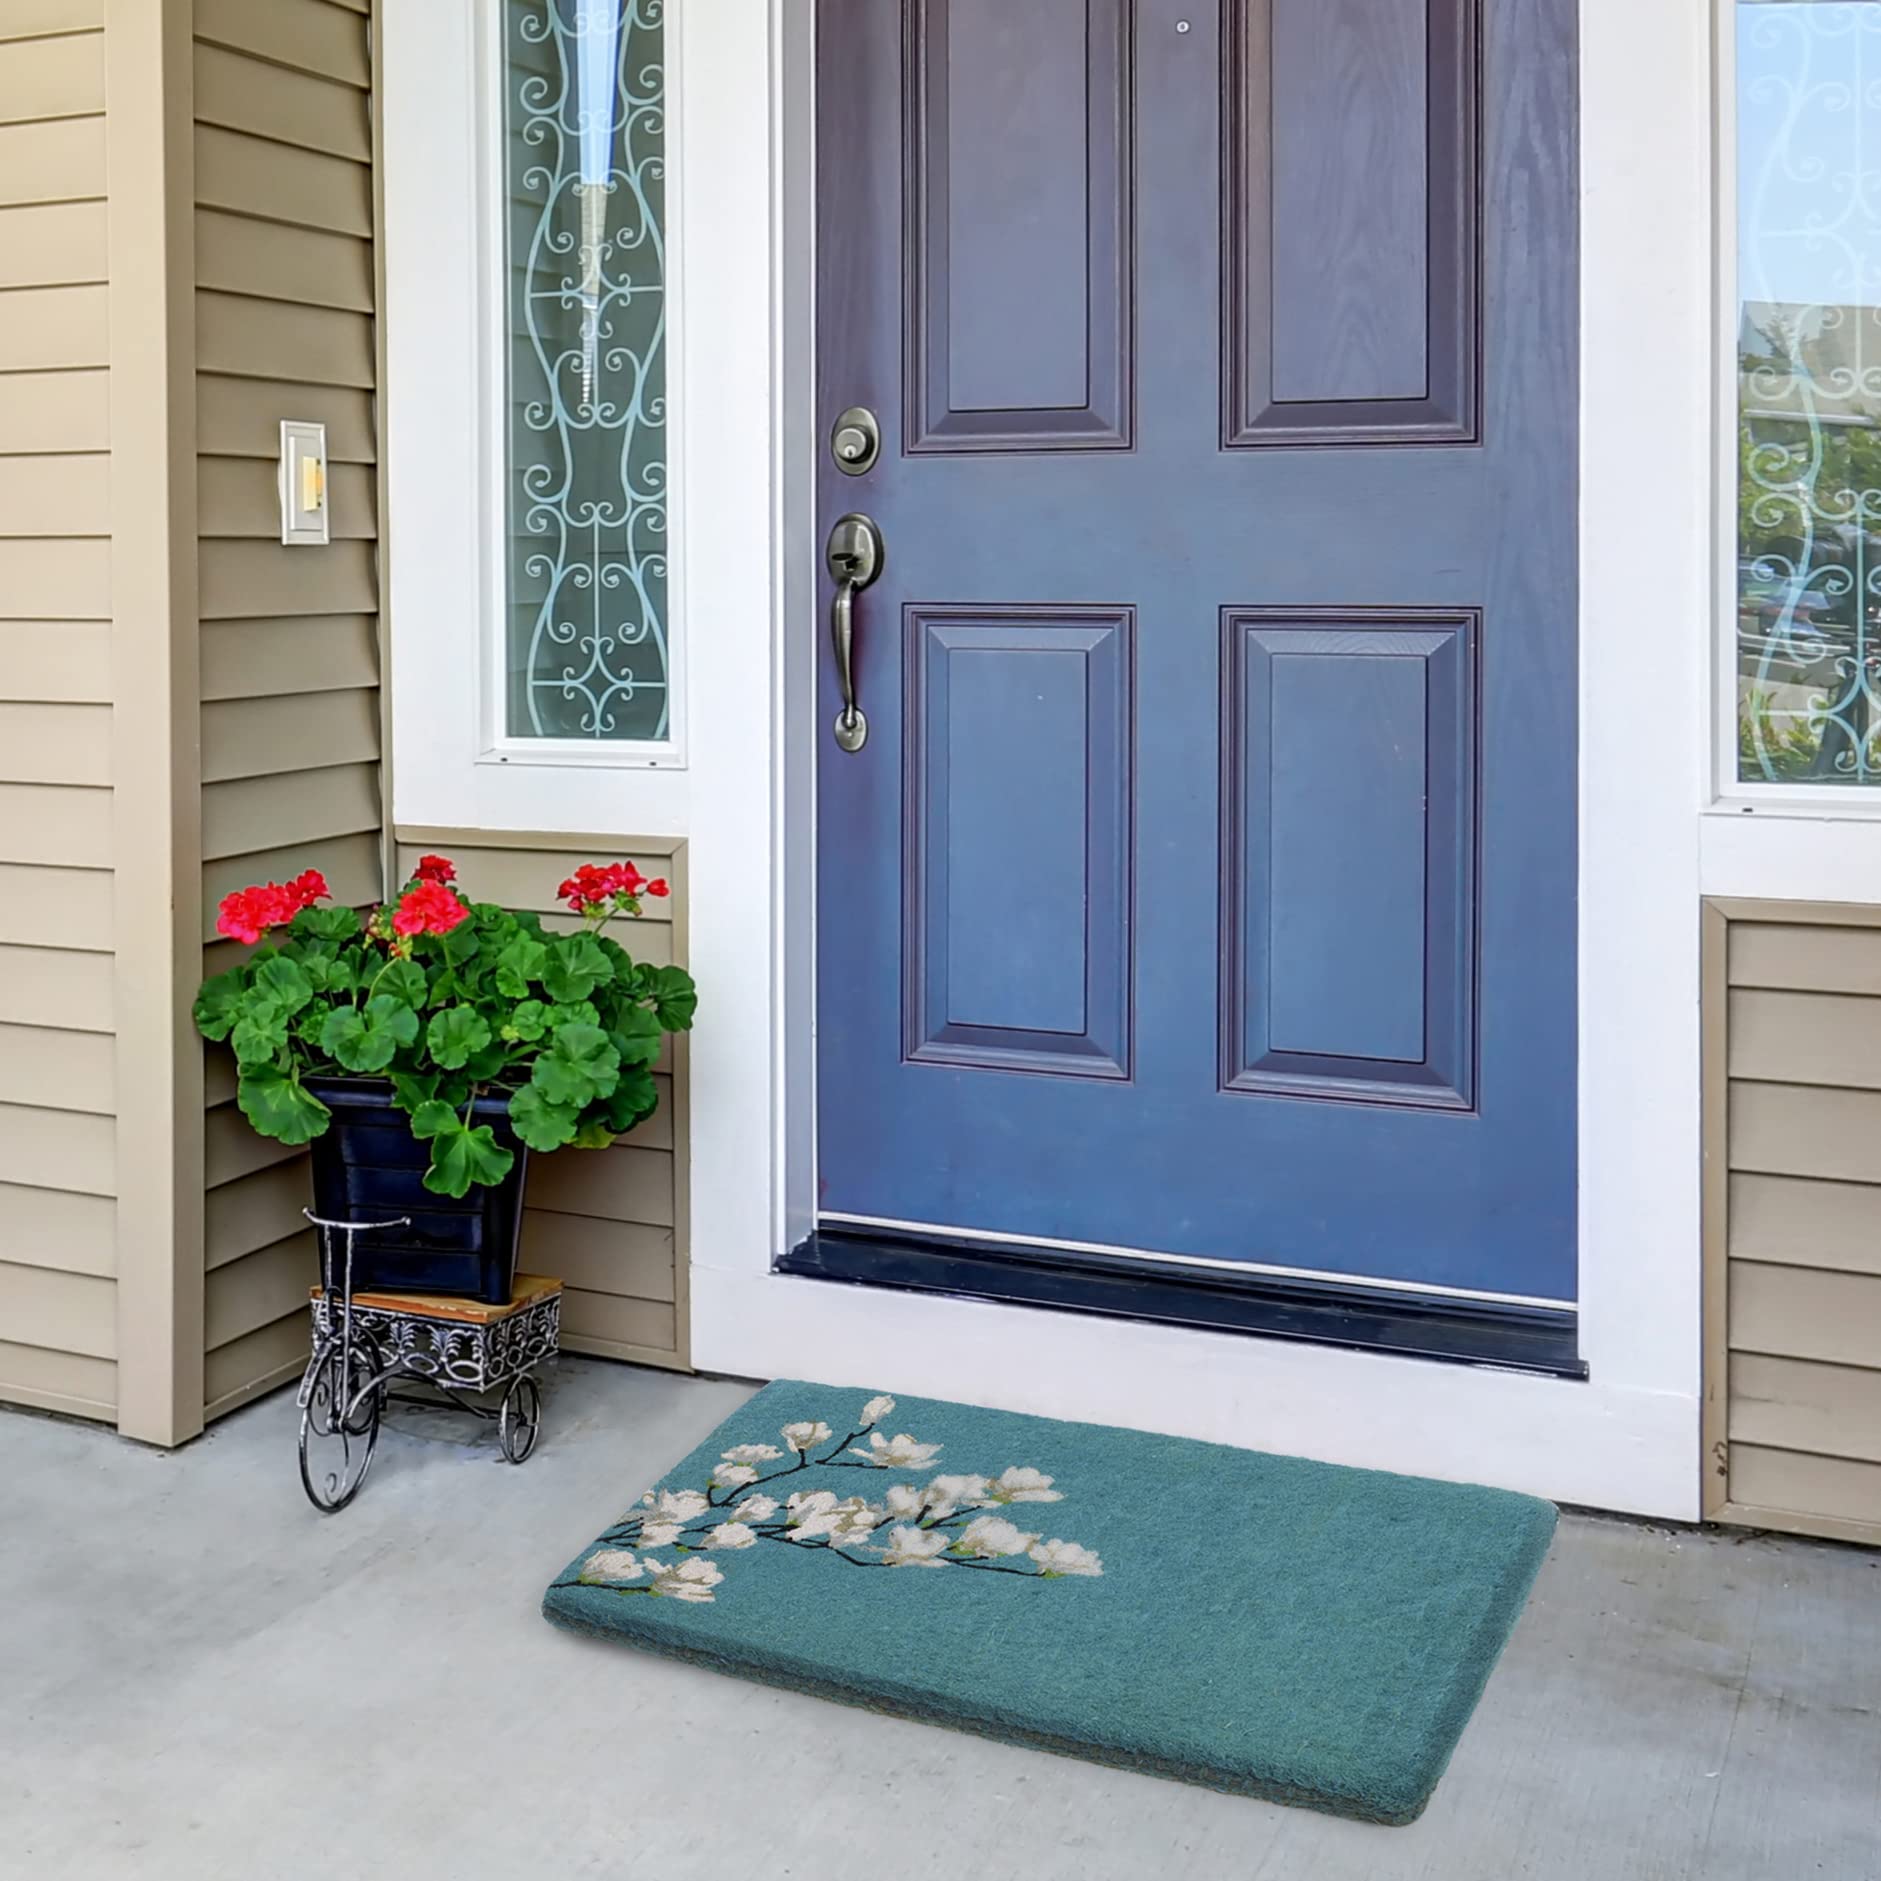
455, 764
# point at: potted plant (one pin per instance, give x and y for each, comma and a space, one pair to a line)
426, 1047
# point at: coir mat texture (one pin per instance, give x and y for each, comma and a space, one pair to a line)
1260, 1624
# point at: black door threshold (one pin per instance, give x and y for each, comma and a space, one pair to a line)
1320, 1312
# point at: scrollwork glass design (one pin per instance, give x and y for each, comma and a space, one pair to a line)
1808, 639
584, 172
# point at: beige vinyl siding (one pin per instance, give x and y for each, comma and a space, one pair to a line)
58, 1071
609, 1223
1793, 1095
290, 718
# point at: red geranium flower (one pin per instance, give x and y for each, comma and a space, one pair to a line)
657, 887
435, 869
616, 886
251, 912
428, 908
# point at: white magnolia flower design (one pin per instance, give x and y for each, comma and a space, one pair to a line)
989, 1535
676, 1505
932, 1524
1054, 1558
914, 1548
897, 1453
685, 1580
1019, 1485
945, 1494
612, 1567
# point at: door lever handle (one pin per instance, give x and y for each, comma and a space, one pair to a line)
854, 558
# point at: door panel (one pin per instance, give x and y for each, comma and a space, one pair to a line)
1019, 794
1350, 863
1350, 211
1206, 885
1018, 160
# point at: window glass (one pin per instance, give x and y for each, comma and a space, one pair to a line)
586, 637
1808, 639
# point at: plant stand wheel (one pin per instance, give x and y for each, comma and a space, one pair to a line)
342, 1404
519, 1422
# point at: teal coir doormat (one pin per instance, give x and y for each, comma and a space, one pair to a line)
1260, 1624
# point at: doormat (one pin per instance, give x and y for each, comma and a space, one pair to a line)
1260, 1624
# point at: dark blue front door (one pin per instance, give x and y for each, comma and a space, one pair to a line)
1206, 883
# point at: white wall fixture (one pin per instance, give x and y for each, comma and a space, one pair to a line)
303, 479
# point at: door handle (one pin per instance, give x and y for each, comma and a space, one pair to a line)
854, 558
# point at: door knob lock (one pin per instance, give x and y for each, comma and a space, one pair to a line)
854, 559
855, 441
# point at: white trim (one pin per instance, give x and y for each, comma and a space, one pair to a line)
1629, 1437
837, 1219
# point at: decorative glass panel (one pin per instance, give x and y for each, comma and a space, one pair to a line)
584, 168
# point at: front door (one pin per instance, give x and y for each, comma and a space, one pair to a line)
1203, 883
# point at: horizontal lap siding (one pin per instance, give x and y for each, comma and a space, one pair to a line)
608, 1223
1801, 1139
58, 1308
289, 637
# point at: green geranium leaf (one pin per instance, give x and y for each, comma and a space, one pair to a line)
581, 1013
369, 1041
578, 1067
596, 1133
635, 1098
285, 982
527, 1023
402, 980
275, 1102
519, 965
540, 1124
329, 974
413, 1089
454, 1034
461, 944
259, 1035
219, 1004
576, 966
638, 1037
326, 924
675, 997
463, 1159
432, 1118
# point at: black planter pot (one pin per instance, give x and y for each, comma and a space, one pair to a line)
369, 1167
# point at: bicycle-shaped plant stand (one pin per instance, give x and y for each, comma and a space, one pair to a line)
453, 1346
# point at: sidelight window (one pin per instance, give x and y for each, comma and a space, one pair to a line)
1805, 665
585, 654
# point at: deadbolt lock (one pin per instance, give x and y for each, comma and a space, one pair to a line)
855, 441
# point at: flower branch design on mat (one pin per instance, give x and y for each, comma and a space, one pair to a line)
964, 1522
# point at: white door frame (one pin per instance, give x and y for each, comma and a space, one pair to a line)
742, 211
1628, 1438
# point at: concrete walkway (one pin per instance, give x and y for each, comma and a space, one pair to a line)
201, 1678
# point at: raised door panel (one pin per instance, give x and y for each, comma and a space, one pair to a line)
1349, 857
1350, 203
1018, 868
1018, 179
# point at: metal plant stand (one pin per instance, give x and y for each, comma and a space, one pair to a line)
363, 1344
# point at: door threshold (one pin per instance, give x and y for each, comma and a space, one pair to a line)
1349, 1314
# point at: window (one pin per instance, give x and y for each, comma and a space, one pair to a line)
585, 653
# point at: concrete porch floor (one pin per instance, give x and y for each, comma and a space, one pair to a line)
200, 1677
